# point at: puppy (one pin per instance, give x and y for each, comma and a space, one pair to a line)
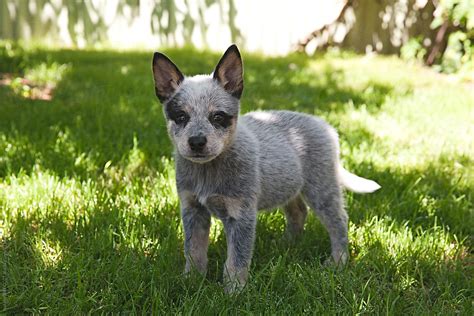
230, 166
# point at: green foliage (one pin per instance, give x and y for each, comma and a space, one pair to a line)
413, 50
89, 213
459, 12
460, 50
459, 54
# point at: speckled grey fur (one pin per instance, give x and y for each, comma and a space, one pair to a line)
260, 161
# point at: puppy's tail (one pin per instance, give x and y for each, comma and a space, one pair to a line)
355, 183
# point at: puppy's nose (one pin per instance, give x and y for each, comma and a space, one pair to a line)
197, 143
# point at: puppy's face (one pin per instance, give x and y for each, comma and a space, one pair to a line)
201, 111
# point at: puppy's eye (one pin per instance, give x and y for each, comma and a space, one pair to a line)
218, 117
181, 117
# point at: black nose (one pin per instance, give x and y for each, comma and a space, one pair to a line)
197, 143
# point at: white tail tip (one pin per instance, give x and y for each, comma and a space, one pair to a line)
357, 184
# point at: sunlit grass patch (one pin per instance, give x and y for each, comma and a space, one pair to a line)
403, 247
43, 195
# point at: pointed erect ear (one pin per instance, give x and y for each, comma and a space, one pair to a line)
167, 76
229, 72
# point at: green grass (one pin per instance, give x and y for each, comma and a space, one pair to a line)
89, 215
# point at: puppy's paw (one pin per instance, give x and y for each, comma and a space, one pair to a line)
234, 279
292, 236
338, 261
233, 287
194, 270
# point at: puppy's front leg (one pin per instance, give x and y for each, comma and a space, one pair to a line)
196, 223
240, 234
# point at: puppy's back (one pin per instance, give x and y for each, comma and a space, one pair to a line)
290, 144
292, 132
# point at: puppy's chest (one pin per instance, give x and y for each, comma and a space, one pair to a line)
206, 182
201, 185
220, 206
212, 193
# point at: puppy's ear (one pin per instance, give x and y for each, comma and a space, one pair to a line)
167, 76
229, 72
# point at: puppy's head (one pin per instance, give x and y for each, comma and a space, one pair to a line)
201, 111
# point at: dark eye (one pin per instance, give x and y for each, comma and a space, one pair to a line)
181, 117
218, 117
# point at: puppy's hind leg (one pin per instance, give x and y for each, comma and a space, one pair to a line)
327, 203
295, 213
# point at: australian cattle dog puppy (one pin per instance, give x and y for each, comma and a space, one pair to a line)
231, 166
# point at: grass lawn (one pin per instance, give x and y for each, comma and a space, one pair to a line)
89, 214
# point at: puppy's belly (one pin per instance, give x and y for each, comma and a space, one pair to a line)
281, 179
